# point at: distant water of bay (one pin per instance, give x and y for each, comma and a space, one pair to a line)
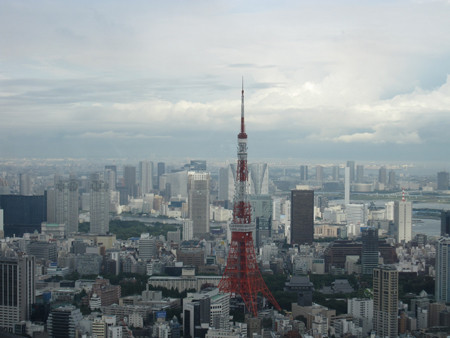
426, 226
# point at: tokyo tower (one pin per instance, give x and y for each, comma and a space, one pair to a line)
242, 275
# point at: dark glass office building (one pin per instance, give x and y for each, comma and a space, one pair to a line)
369, 254
23, 214
302, 216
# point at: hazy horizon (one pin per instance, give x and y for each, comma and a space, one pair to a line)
366, 81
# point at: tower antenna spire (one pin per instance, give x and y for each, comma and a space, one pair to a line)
242, 111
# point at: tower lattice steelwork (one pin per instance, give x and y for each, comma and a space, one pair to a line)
242, 275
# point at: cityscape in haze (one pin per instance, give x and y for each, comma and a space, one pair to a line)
224, 169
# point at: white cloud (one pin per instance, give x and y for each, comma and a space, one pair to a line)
335, 72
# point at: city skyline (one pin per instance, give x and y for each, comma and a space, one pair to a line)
323, 80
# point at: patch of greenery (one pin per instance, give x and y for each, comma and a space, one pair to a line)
126, 229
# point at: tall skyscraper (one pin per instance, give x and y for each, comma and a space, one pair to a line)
347, 186
66, 204
385, 301
111, 178
403, 221
351, 165
145, 177
226, 182
198, 188
442, 180
129, 179
302, 216
259, 178
442, 287
359, 173
303, 173
262, 207
25, 185
160, 171
17, 290
382, 175
99, 208
319, 173
445, 223
335, 173
369, 254
391, 180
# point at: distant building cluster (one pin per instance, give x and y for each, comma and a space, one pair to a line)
352, 232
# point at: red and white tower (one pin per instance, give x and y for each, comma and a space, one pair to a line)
242, 275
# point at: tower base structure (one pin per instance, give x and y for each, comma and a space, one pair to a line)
242, 275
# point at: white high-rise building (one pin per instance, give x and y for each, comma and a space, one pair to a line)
220, 310
259, 178
66, 204
362, 309
99, 207
145, 177
187, 230
356, 214
403, 221
442, 287
198, 188
147, 247
389, 210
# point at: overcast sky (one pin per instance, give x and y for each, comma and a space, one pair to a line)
337, 80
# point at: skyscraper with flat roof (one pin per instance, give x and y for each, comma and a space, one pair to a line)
303, 173
66, 204
359, 173
442, 180
198, 190
382, 175
17, 290
442, 288
351, 165
25, 185
369, 254
335, 173
262, 210
445, 223
403, 221
145, 177
319, 173
302, 216
99, 207
129, 179
385, 301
